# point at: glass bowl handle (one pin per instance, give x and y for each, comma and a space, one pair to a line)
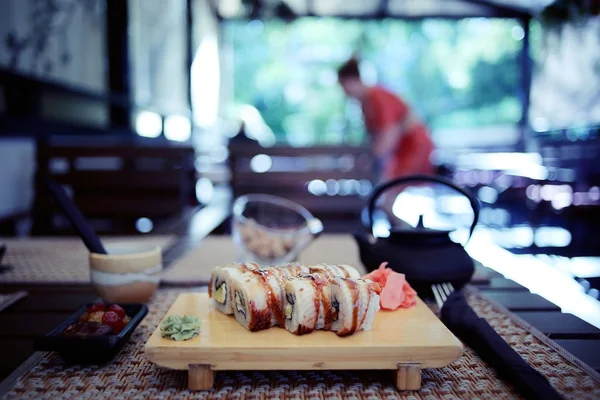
315, 227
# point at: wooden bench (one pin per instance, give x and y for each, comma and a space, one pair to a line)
114, 184
330, 181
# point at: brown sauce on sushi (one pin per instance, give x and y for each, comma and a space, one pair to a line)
355, 296
264, 317
354, 293
260, 319
319, 284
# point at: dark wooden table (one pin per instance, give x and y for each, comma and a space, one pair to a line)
46, 306
579, 338
33, 317
520, 300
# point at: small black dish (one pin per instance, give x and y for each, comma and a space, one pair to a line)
91, 349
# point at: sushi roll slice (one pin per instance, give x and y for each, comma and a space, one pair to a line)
273, 278
323, 290
350, 272
272, 281
373, 291
218, 289
332, 271
291, 270
354, 304
301, 305
221, 294
251, 299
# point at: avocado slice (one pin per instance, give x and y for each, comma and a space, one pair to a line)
221, 294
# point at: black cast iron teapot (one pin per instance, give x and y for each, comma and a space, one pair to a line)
425, 256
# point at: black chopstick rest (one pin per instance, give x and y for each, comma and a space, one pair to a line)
476, 333
87, 234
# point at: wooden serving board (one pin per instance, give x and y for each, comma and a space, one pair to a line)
405, 340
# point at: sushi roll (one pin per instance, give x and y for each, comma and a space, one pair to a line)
373, 290
218, 289
251, 299
299, 298
290, 270
301, 305
323, 290
332, 271
272, 281
350, 272
354, 304
273, 278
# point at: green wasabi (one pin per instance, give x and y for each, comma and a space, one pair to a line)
179, 328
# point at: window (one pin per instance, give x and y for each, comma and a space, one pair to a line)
460, 76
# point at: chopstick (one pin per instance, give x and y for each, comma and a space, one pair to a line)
85, 231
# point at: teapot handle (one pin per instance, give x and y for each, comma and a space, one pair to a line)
430, 178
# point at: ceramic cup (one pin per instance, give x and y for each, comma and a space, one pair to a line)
129, 273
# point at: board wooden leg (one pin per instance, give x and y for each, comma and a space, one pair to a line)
408, 377
200, 377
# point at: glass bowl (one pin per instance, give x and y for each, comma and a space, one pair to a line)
271, 230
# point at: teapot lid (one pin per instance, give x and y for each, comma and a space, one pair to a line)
420, 231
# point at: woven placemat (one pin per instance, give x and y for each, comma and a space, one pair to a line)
130, 375
43, 260
8, 299
195, 267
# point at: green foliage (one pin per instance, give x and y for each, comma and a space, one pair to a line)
455, 74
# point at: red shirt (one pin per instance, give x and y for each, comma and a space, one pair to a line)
383, 108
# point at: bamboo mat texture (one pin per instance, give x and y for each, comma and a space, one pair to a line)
130, 375
46, 260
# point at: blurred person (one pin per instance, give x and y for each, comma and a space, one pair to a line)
400, 142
